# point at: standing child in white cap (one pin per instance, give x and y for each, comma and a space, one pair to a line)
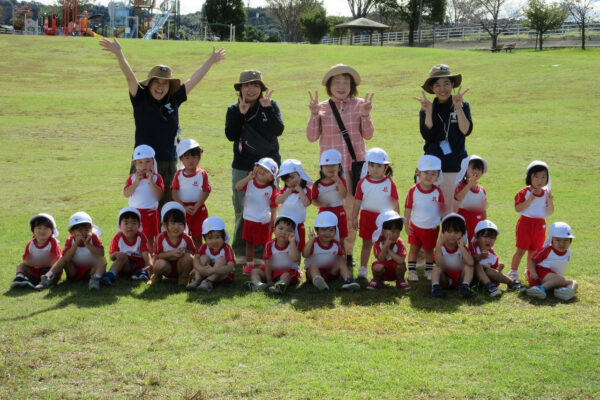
546, 270
375, 194
470, 196
82, 257
214, 262
534, 202
41, 252
144, 189
295, 196
259, 206
191, 188
423, 210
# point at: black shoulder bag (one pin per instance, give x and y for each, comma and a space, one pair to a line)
253, 142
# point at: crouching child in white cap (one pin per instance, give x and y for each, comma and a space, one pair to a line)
82, 257
41, 252
389, 252
129, 250
487, 267
325, 260
295, 196
546, 269
214, 262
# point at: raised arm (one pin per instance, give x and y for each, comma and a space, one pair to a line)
115, 48
215, 57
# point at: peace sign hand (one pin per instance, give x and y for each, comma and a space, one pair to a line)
425, 103
217, 55
365, 107
311, 234
457, 99
314, 103
265, 101
242, 105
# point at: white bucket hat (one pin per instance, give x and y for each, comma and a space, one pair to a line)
428, 162
292, 165
330, 157
326, 219
186, 145
383, 218
560, 230
131, 210
81, 217
214, 224
486, 224
171, 205
377, 155
543, 164
144, 151
269, 164
48, 217
464, 165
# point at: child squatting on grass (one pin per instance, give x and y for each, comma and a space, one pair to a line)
82, 257
546, 269
454, 263
41, 252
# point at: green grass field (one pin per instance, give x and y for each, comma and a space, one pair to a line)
66, 135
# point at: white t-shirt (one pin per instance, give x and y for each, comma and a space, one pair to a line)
191, 186
143, 196
537, 208
550, 258
293, 207
258, 202
328, 194
278, 257
426, 206
378, 196
324, 256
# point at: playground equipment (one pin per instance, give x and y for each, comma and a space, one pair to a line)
166, 9
71, 24
124, 20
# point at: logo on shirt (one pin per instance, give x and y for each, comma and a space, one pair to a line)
385, 189
264, 117
195, 183
434, 198
169, 108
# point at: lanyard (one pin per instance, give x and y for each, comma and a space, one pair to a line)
446, 125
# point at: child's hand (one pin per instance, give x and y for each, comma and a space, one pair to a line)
472, 181
460, 244
139, 175
149, 175
409, 229
298, 189
292, 238
252, 173
550, 196
533, 275
500, 267
484, 254
87, 238
180, 251
389, 242
311, 234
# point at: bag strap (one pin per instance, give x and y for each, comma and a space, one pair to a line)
343, 129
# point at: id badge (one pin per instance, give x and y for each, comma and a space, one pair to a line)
445, 146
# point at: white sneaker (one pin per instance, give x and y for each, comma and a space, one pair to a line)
564, 293
362, 272
513, 274
428, 274
320, 283
240, 260
413, 276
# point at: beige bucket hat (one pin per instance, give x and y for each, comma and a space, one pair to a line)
441, 71
162, 72
341, 69
248, 76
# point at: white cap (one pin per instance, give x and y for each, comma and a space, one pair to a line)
486, 224
269, 164
214, 224
81, 217
186, 145
291, 165
326, 219
171, 205
131, 210
428, 162
464, 165
560, 230
48, 217
383, 218
543, 164
143, 151
377, 155
330, 157
452, 214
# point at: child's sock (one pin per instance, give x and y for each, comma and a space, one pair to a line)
412, 265
96, 276
428, 266
50, 275
250, 264
20, 275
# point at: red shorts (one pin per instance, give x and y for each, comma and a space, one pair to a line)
37, 272
150, 221
340, 213
325, 273
301, 236
541, 272
82, 272
228, 279
472, 218
277, 272
531, 233
255, 232
367, 224
174, 270
425, 238
453, 277
389, 274
194, 222
135, 264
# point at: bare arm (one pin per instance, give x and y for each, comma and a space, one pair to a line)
239, 186
215, 57
115, 48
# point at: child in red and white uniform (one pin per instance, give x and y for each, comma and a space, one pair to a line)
389, 252
534, 203
214, 262
144, 189
173, 248
546, 270
329, 193
454, 262
191, 188
295, 196
129, 250
470, 196
83, 255
423, 209
259, 207
487, 267
375, 193
41, 252
325, 261
281, 260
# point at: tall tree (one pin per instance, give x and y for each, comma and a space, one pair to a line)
314, 24
580, 10
433, 11
287, 13
543, 17
360, 8
222, 13
487, 13
459, 11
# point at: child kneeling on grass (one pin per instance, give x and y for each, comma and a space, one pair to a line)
453, 262
173, 248
487, 268
546, 269
129, 249
83, 255
41, 252
390, 252
214, 262
325, 260
281, 260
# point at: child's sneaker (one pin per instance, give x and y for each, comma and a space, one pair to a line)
108, 279
537, 292
45, 283
350, 284
319, 282
363, 272
94, 283
206, 285
412, 275
374, 284
140, 275
248, 269
437, 291
564, 293
464, 290
194, 284
20, 282
256, 285
278, 288
516, 285
493, 291
514, 274
154, 279
402, 285
427, 274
